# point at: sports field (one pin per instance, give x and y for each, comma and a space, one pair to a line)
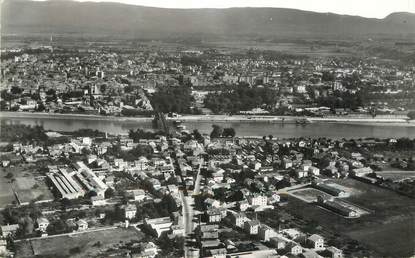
309, 194
389, 228
25, 185
32, 189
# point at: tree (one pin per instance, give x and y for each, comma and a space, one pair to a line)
229, 132
75, 250
411, 115
241, 97
86, 151
171, 246
198, 136
109, 193
169, 203
57, 227
40, 107
91, 194
16, 90
173, 99
9, 175
141, 134
216, 132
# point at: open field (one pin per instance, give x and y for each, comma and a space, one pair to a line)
392, 239
29, 189
298, 48
6, 185
24, 184
77, 245
379, 230
6, 192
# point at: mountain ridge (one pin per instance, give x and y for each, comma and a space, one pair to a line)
62, 16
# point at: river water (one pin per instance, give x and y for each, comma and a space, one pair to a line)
248, 128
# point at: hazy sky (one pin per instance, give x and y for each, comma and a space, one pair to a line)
366, 8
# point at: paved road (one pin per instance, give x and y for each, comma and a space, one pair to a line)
197, 182
188, 212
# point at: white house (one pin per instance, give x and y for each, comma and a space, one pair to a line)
212, 203
316, 241
243, 205
258, 200
42, 224
252, 227
294, 248
3, 247
138, 195
287, 163
274, 198
130, 211
313, 170
239, 219
301, 173
82, 225
150, 247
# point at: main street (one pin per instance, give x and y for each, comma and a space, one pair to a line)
196, 190
188, 212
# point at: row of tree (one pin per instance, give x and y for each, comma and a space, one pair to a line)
241, 97
22, 133
173, 99
218, 131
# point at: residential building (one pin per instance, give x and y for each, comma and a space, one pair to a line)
316, 241
252, 227
130, 211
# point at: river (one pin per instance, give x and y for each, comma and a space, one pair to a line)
242, 128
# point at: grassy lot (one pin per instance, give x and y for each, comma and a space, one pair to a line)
291, 48
88, 244
6, 192
25, 183
378, 230
29, 188
391, 240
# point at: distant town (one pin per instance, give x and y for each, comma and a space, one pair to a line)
110, 81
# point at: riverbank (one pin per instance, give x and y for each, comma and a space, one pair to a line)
330, 127
41, 115
396, 120
292, 119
